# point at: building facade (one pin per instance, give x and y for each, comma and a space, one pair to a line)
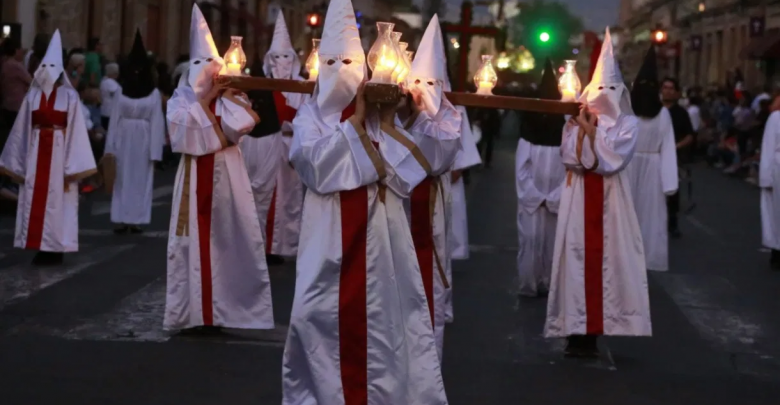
708, 40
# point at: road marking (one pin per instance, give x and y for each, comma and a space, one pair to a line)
105, 232
25, 280
162, 191
700, 297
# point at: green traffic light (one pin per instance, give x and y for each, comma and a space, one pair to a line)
544, 37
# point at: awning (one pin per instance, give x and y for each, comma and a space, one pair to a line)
765, 47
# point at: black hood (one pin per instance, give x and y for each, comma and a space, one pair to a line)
545, 129
137, 76
645, 93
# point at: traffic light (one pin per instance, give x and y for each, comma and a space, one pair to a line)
659, 36
313, 20
544, 37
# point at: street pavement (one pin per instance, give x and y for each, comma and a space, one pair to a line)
89, 332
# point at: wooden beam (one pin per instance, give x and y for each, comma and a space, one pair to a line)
247, 83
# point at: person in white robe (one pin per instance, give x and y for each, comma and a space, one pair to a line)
437, 121
217, 275
653, 170
769, 181
277, 188
135, 139
599, 281
360, 330
457, 219
47, 153
539, 179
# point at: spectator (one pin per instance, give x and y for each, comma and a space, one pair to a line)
75, 69
93, 73
40, 44
109, 89
756, 105
14, 80
684, 137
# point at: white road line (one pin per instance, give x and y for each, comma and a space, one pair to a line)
700, 299
162, 191
704, 228
23, 281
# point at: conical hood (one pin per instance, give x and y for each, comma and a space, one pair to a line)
281, 40
205, 61
281, 61
340, 35
539, 128
338, 81
137, 77
51, 67
548, 86
201, 42
606, 95
645, 93
607, 70
429, 61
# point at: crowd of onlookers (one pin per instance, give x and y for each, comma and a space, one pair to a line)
730, 126
96, 78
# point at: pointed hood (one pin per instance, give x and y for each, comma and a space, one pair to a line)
338, 82
429, 74
606, 95
645, 93
545, 129
205, 61
137, 77
281, 61
429, 61
51, 66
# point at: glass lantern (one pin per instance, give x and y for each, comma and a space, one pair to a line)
235, 58
313, 61
485, 79
384, 56
403, 68
569, 83
399, 68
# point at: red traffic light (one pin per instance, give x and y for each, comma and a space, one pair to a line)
313, 20
659, 36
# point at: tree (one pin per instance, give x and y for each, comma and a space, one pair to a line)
545, 27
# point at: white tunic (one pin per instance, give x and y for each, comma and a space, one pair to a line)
217, 273
47, 153
540, 175
136, 136
276, 186
599, 282
769, 181
653, 176
360, 329
439, 140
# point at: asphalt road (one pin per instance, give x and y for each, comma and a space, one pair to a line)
90, 331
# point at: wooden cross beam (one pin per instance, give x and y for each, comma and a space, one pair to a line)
466, 31
247, 83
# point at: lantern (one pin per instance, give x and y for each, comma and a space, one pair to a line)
569, 83
405, 65
399, 68
235, 57
313, 61
383, 56
485, 79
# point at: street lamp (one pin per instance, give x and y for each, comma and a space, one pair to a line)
659, 36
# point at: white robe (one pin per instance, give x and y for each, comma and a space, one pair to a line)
360, 330
653, 175
48, 159
439, 140
217, 273
276, 186
540, 175
599, 282
769, 181
458, 224
136, 136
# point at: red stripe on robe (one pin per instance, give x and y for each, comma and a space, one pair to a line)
283, 111
46, 118
594, 253
353, 317
269, 224
205, 196
422, 236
